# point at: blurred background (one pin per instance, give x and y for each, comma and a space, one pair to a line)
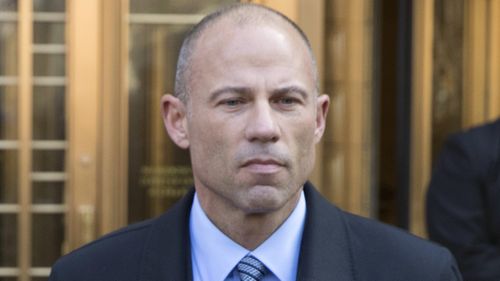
83, 150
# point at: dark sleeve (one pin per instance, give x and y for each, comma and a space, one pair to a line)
450, 270
456, 208
53, 274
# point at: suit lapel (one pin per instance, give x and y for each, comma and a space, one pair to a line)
325, 249
167, 253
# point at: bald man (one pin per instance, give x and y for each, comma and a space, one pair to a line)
246, 105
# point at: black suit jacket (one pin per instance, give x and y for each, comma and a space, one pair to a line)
335, 246
463, 201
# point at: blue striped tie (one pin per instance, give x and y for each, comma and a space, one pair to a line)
251, 269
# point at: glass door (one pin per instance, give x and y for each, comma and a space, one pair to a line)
33, 139
9, 141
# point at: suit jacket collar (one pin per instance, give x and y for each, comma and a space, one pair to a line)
325, 252
325, 249
167, 252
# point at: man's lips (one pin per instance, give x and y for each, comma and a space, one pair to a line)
263, 165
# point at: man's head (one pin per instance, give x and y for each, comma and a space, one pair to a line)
247, 107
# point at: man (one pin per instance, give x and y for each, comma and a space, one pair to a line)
247, 106
463, 212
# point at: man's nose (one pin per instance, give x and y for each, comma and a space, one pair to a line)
262, 125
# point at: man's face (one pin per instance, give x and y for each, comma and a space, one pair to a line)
253, 117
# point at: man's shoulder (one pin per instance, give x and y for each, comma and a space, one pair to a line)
132, 251
473, 153
486, 129
377, 234
370, 249
379, 248
120, 250
485, 136
129, 234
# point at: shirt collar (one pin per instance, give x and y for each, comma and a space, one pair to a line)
280, 252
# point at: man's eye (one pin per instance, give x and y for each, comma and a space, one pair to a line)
287, 101
232, 102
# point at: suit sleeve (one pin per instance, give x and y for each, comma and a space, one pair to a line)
450, 270
456, 211
52, 276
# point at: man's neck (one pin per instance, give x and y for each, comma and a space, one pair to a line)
247, 229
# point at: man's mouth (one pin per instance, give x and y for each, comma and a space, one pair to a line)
263, 165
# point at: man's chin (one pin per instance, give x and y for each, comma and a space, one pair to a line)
266, 199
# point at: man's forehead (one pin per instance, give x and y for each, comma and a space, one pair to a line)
229, 26
243, 15
227, 29
230, 34
259, 45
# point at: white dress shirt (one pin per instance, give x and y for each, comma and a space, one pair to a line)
214, 256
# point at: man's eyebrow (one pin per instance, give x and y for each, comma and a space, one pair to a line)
235, 90
291, 89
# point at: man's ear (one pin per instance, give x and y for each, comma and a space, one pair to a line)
174, 113
322, 105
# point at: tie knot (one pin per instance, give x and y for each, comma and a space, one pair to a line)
251, 269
